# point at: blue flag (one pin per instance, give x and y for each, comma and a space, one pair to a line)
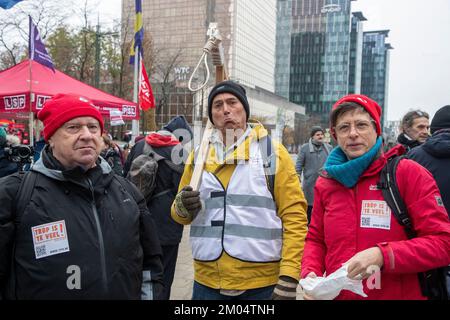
36, 48
139, 32
6, 4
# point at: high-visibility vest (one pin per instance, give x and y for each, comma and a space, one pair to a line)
241, 220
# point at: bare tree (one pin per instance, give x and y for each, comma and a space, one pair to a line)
165, 76
14, 29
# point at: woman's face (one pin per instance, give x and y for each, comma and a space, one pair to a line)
355, 133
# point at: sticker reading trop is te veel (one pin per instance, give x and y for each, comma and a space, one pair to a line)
375, 214
50, 239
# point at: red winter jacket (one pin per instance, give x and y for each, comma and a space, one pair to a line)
335, 234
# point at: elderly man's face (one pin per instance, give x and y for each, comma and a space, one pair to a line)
228, 113
77, 143
419, 129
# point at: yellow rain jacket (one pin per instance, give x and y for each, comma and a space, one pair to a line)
230, 273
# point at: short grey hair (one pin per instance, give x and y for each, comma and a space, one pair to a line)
409, 118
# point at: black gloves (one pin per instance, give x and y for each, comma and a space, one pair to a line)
187, 203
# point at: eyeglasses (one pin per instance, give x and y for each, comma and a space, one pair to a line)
361, 127
73, 128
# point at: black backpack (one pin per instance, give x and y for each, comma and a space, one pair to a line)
144, 169
433, 282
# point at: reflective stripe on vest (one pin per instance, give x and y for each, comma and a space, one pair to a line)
241, 220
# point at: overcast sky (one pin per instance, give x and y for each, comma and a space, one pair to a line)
420, 61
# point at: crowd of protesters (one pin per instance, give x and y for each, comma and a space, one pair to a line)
90, 220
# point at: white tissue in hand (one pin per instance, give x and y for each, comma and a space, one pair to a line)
329, 288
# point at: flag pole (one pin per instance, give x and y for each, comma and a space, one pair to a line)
135, 123
31, 124
31, 116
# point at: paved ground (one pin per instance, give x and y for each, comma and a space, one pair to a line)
184, 272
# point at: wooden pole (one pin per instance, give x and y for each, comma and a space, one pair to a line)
204, 145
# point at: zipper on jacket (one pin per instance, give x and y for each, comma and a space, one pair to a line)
100, 238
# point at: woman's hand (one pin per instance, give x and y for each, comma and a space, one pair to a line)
306, 296
359, 264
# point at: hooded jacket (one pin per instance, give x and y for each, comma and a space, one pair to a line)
230, 273
107, 243
340, 228
434, 155
167, 180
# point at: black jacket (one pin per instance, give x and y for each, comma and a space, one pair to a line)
6, 167
167, 181
111, 236
407, 142
434, 155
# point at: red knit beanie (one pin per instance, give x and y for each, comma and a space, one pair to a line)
368, 104
64, 107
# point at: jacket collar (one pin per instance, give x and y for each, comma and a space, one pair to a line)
241, 150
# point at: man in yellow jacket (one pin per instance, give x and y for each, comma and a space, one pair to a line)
247, 240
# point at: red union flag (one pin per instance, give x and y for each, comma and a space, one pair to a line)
146, 98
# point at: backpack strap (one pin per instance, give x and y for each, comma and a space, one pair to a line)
391, 194
269, 162
22, 199
25, 192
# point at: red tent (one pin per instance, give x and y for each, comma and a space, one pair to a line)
15, 90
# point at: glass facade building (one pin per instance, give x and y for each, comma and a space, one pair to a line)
319, 53
177, 29
356, 46
283, 47
248, 28
375, 68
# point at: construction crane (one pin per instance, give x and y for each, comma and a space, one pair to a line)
214, 49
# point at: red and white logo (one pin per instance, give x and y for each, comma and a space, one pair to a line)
129, 111
41, 100
14, 102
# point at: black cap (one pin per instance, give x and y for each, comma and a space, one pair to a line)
441, 119
230, 87
315, 129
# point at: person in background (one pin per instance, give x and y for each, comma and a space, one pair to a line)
434, 155
168, 175
38, 147
112, 154
310, 159
352, 225
7, 167
414, 129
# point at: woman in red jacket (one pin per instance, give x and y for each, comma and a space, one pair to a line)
353, 225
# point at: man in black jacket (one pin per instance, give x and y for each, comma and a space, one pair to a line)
434, 154
165, 143
414, 127
82, 233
